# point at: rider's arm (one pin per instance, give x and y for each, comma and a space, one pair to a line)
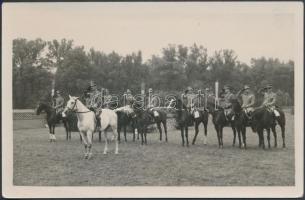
272, 100
252, 101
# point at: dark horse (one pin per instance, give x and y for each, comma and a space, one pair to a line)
183, 119
242, 121
200, 115
144, 119
220, 121
124, 120
53, 118
159, 116
263, 119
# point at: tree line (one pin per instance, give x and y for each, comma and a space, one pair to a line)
38, 63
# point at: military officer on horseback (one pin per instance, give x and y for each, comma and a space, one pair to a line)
248, 100
270, 100
152, 102
58, 103
107, 98
228, 97
94, 101
188, 98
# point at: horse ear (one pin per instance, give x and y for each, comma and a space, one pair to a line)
70, 96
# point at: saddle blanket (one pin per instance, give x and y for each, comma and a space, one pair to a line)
196, 114
156, 114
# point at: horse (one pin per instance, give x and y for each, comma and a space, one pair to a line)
242, 121
200, 115
220, 121
144, 119
52, 119
183, 120
124, 120
263, 119
159, 116
87, 123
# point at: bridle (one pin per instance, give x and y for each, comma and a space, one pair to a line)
73, 109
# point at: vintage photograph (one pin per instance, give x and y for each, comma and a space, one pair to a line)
161, 94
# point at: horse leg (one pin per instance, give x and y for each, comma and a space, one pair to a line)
106, 142
165, 130
65, 125
268, 137
115, 134
125, 137
89, 139
142, 135
234, 136
205, 139
186, 135
50, 132
85, 143
274, 135
182, 135
160, 130
243, 131
239, 136
119, 134
145, 134
262, 138
283, 135
218, 134
196, 131
221, 136
54, 138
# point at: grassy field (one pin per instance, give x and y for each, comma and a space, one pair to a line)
40, 163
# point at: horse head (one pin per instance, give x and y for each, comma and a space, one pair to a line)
71, 104
42, 106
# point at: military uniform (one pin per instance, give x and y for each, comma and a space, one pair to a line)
248, 100
270, 101
59, 103
107, 100
188, 99
227, 103
94, 101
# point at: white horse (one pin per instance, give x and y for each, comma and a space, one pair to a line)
87, 122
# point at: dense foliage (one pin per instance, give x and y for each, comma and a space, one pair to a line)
35, 61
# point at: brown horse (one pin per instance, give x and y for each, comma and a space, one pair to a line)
54, 118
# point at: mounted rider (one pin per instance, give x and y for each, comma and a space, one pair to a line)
228, 97
94, 101
107, 98
248, 100
152, 103
58, 103
188, 99
270, 100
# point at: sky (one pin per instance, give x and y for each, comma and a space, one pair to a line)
252, 30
